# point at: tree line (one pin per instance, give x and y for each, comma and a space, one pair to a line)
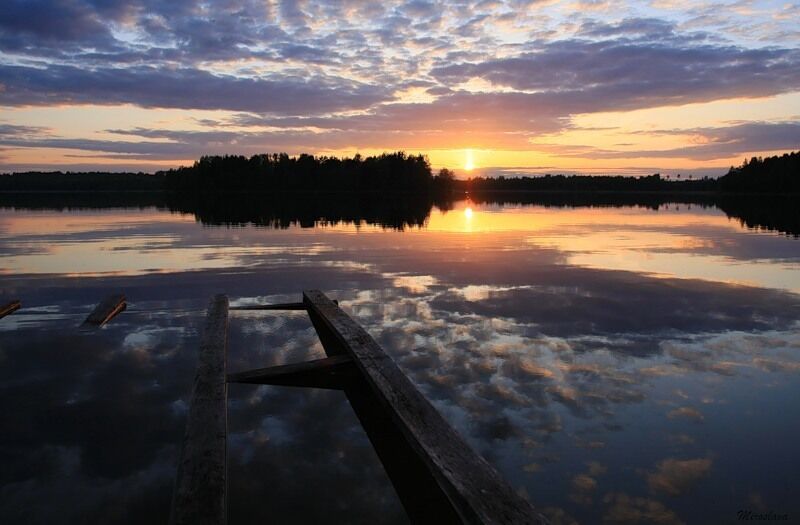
280, 172
586, 184
392, 173
778, 174
97, 181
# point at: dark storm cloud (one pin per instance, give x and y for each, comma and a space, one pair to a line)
182, 88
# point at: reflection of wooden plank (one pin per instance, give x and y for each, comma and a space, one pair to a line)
281, 306
199, 496
476, 492
106, 310
9, 308
331, 372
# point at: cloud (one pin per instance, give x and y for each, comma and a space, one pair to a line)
582, 76
687, 413
343, 67
707, 143
675, 477
628, 509
183, 88
583, 486
59, 20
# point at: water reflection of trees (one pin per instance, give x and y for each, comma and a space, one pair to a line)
773, 213
398, 210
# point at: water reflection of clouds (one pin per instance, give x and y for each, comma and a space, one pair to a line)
705, 251
499, 382
554, 372
95, 427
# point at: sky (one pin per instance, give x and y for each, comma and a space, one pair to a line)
492, 87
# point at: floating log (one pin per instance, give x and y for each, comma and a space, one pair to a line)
199, 497
105, 311
9, 308
280, 306
332, 373
475, 490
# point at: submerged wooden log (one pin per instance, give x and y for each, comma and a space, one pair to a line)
105, 311
199, 497
9, 308
475, 490
332, 373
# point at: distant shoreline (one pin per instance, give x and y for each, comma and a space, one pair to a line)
396, 174
459, 194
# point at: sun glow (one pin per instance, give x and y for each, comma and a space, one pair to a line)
468, 213
469, 162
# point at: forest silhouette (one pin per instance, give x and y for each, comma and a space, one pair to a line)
393, 172
393, 190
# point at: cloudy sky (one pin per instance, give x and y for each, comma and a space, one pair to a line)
505, 87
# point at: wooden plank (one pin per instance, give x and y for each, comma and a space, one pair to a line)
199, 497
105, 311
9, 308
331, 373
279, 306
475, 490
422, 498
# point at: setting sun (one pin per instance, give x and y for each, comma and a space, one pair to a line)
469, 162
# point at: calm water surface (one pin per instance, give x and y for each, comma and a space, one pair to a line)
625, 365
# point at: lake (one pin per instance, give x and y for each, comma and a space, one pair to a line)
627, 363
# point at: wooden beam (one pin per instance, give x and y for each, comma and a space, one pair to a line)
199, 497
9, 308
332, 373
475, 490
279, 306
419, 492
105, 311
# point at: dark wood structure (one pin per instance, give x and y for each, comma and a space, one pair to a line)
105, 311
9, 308
199, 496
437, 476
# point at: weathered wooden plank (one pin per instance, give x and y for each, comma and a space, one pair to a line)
422, 498
475, 490
199, 497
9, 308
106, 310
331, 373
279, 306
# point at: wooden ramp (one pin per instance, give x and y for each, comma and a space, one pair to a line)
437, 476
